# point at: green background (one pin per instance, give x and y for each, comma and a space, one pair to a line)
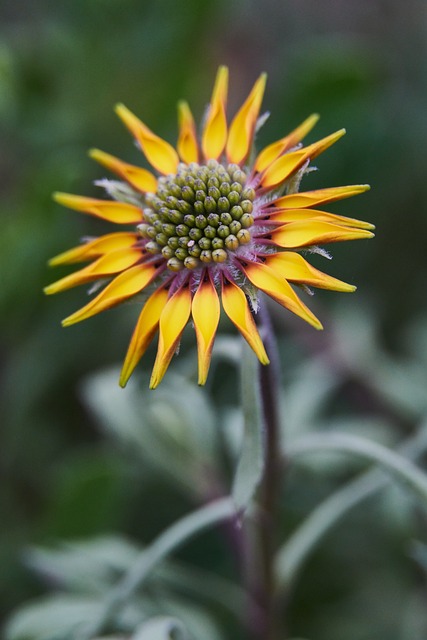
360, 64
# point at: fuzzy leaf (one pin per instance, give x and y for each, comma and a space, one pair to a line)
52, 618
251, 463
161, 628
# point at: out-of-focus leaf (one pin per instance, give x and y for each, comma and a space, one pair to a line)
173, 429
327, 462
161, 628
305, 397
88, 567
251, 462
171, 539
401, 382
400, 467
201, 585
52, 618
198, 622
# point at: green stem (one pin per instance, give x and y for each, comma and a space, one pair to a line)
268, 504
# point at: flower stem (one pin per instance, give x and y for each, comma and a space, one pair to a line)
268, 501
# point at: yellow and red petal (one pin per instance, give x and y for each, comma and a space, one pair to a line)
242, 128
320, 196
237, 309
295, 215
187, 140
137, 177
293, 267
264, 278
124, 286
117, 212
173, 319
159, 153
214, 135
144, 332
95, 248
276, 149
205, 311
105, 266
290, 162
310, 232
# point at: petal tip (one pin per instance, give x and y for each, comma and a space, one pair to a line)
119, 108
95, 153
123, 380
60, 197
154, 382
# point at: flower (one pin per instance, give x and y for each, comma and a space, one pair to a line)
211, 227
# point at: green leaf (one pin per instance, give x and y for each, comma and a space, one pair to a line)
401, 468
52, 618
251, 463
161, 628
89, 567
172, 538
173, 429
295, 551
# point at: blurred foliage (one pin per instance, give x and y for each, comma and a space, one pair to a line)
63, 65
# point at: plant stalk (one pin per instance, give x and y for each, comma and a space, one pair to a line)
263, 584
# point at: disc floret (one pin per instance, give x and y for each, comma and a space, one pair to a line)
199, 215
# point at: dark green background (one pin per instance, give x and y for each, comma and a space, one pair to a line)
361, 64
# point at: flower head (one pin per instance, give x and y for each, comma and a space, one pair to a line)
208, 228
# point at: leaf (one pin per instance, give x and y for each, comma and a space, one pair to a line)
402, 469
173, 429
251, 463
172, 538
295, 551
161, 628
52, 618
198, 623
89, 566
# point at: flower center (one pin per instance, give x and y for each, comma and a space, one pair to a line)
199, 215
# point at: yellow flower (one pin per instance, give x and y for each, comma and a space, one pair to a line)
209, 226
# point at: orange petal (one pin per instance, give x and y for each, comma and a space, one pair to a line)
271, 283
288, 163
215, 129
139, 178
117, 212
159, 153
294, 215
237, 309
242, 128
276, 149
95, 248
105, 266
320, 196
205, 311
173, 319
187, 140
124, 286
293, 267
145, 329
309, 232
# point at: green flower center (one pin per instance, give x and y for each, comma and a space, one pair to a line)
199, 215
